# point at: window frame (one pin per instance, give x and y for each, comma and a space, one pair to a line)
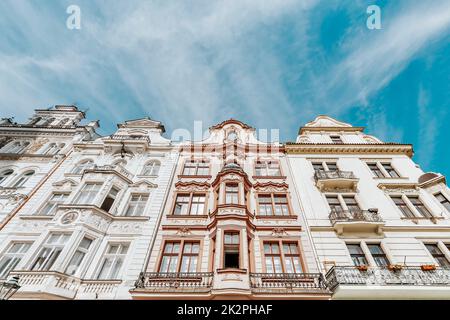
231, 246
191, 196
117, 255
55, 204
282, 254
130, 199
266, 168
195, 164
13, 255
145, 168
180, 254
273, 203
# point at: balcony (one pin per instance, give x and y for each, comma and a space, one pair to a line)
175, 282
288, 283
348, 282
337, 179
111, 168
57, 285
356, 221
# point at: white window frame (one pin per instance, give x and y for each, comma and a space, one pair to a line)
149, 168
53, 247
84, 251
77, 195
55, 204
115, 257
139, 204
16, 257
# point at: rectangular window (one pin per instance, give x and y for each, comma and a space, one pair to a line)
190, 204
109, 200
390, 170
438, 255
357, 254
318, 166
186, 252
231, 250
268, 168
401, 204
375, 170
281, 205
88, 193
285, 261
291, 258
136, 205
273, 205
378, 255
351, 203
420, 206
272, 255
332, 166
50, 251
196, 168
78, 256
112, 261
265, 205
336, 139
12, 257
232, 193
52, 203
334, 203
443, 200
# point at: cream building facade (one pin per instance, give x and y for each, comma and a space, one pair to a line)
338, 214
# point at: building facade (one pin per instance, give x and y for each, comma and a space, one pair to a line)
338, 214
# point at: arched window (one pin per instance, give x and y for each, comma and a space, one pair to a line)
23, 179
50, 148
5, 174
151, 168
121, 162
15, 147
80, 167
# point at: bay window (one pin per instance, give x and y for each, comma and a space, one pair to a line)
50, 251
78, 256
112, 261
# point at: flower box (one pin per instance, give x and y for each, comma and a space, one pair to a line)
395, 267
428, 267
362, 268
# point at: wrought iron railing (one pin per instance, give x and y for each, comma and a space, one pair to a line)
171, 281
334, 174
267, 282
384, 276
355, 215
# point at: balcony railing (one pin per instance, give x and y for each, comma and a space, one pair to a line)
355, 215
382, 276
175, 281
335, 174
281, 282
117, 168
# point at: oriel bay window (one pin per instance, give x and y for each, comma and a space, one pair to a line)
50, 251
267, 168
231, 243
196, 168
180, 256
231, 193
273, 205
282, 257
78, 256
109, 199
189, 204
88, 193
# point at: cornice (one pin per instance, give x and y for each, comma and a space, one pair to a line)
355, 148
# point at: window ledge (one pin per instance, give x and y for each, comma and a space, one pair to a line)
187, 216
293, 217
269, 177
36, 217
231, 270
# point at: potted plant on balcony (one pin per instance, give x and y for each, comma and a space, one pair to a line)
428, 267
395, 267
362, 267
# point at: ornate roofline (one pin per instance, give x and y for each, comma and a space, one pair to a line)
231, 121
302, 130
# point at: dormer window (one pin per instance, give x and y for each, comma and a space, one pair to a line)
336, 139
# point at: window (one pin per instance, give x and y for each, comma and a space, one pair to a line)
196, 168
172, 255
442, 199
112, 261
375, 170
438, 255
78, 256
23, 179
88, 193
378, 255
334, 203
79, 168
50, 251
109, 199
285, 261
151, 168
5, 174
325, 166
267, 168
390, 170
415, 201
336, 139
401, 204
351, 203
136, 205
16, 147
273, 205
318, 166
190, 204
232, 193
51, 148
357, 254
231, 250
53, 202
332, 166
12, 257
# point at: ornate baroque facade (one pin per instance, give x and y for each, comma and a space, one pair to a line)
338, 214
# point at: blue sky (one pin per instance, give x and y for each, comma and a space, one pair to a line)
272, 64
